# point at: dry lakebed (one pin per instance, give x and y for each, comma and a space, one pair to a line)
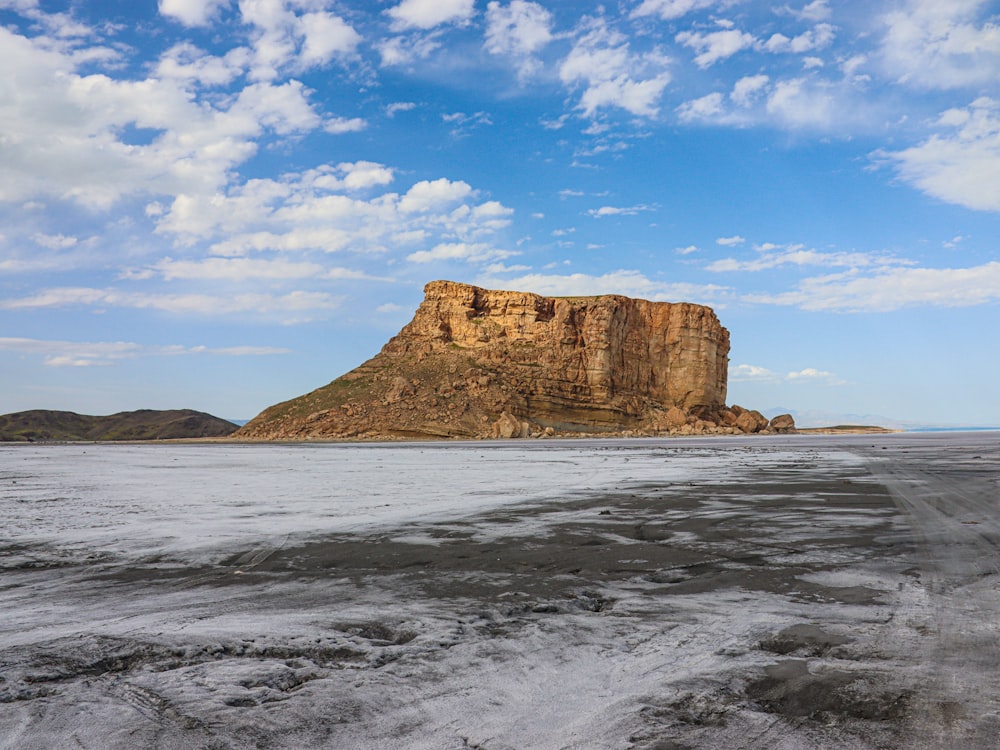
766, 592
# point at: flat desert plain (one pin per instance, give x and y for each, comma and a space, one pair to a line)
780, 592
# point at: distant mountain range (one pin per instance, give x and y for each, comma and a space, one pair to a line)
41, 425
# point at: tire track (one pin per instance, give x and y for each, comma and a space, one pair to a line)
952, 509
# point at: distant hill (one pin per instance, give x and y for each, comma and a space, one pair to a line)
145, 424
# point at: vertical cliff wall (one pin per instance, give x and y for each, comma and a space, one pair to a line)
600, 348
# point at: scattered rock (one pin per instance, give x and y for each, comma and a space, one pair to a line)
782, 424
751, 421
399, 390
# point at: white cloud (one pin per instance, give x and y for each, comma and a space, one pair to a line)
893, 289
962, 165
819, 37
54, 241
708, 108
236, 269
752, 374
812, 374
671, 9
403, 50
603, 211
192, 12
686, 250
756, 374
612, 75
339, 125
464, 124
63, 132
364, 174
342, 208
428, 194
324, 36
389, 308
426, 14
183, 304
797, 255
942, 44
396, 107
817, 10
800, 103
187, 63
103, 353
625, 282
730, 241
715, 45
282, 39
519, 30
747, 89
471, 253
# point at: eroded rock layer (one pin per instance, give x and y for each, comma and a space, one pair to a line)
481, 363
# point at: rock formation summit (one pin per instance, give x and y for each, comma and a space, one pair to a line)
480, 363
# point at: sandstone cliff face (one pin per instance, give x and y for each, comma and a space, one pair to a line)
479, 363
592, 350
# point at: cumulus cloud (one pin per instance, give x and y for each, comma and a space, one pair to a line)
338, 125
426, 14
283, 39
428, 194
893, 289
518, 30
337, 208
961, 165
185, 62
819, 37
747, 89
708, 108
802, 103
612, 75
63, 131
942, 44
192, 12
715, 45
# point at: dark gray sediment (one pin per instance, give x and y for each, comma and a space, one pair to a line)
798, 592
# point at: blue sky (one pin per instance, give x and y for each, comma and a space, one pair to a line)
220, 205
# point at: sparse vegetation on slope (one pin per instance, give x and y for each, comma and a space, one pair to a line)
41, 425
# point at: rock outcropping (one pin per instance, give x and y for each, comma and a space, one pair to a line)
480, 363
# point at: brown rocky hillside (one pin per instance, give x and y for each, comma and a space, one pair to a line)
477, 363
144, 424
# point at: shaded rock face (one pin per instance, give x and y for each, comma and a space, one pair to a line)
473, 362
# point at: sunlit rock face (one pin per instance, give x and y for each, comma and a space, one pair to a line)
472, 359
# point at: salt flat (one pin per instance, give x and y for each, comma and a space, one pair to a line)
792, 592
